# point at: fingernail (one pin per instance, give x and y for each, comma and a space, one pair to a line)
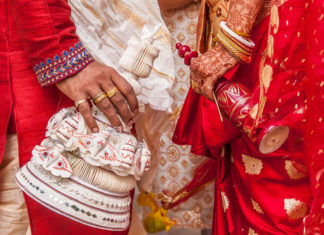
95, 130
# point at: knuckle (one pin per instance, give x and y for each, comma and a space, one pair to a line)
106, 105
111, 69
129, 89
120, 101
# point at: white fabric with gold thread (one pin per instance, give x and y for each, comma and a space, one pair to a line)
132, 38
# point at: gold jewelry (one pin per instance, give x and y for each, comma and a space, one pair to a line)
233, 44
99, 98
112, 92
237, 54
194, 84
77, 103
242, 34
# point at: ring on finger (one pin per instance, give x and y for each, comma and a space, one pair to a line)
77, 103
99, 98
112, 92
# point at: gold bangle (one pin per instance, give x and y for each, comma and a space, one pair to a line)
241, 57
237, 42
242, 34
233, 44
99, 98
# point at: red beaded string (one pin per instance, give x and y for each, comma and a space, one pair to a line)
185, 52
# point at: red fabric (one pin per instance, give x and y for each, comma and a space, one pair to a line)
256, 193
31, 32
314, 138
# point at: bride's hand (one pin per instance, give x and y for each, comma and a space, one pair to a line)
208, 68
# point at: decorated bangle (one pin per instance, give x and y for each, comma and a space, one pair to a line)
241, 45
237, 54
248, 43
237, 47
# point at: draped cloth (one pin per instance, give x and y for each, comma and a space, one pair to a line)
268, 194
106, 28
34, 33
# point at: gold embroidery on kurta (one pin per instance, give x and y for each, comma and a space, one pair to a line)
256, 206
295, 209
292, 170
225, 201
127, 12
253, 166
104, 26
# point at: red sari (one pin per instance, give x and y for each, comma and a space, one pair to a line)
257, 193
37, 38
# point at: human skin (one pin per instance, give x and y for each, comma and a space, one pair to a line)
92, 81
213, 64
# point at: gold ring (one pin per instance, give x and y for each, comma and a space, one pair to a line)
194, 84
99, 98
77, 103
112, 92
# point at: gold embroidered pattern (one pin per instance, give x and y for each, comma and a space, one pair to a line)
295, 209
292, 170
256, 206
252, 232
225, 201
266, 76
253, 166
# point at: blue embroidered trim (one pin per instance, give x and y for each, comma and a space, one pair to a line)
60, 67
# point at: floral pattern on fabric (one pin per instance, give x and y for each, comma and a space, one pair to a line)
177, 165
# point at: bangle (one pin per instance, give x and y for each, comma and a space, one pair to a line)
234, 52
249, 43
236, 41
233, 44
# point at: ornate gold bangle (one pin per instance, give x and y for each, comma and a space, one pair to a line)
241, 57
233, 44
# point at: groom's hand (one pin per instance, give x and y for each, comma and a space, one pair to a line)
94, 81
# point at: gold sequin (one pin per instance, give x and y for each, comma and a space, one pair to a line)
253, 166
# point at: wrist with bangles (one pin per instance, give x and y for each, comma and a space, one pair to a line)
239, 47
